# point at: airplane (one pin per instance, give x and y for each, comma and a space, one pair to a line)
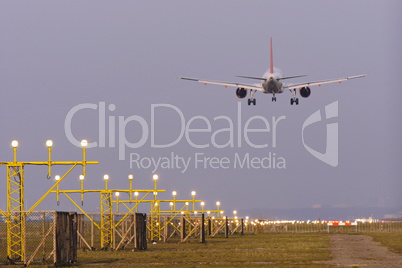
271, 83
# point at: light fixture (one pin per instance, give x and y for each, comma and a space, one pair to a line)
155, 177
49, 143
14, 143
105, 177
82, 177
84, 143
57, 177
130, 177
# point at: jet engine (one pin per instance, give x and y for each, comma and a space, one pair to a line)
241, 92
305, 92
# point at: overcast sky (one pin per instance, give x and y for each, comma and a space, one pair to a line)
55, 55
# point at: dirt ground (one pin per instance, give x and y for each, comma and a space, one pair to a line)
361, 251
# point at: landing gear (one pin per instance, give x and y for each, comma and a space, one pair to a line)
251, 99
294, 99
274, 98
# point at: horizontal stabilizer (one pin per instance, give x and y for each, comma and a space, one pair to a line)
187, 78
252, 77
290, 77
265, 79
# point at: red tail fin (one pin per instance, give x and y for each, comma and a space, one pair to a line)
271, 65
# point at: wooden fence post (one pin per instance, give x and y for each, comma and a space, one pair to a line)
140, 231
226, 227
182, 228
202, 231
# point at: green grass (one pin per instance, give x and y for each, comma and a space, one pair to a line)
277, 250
393, 241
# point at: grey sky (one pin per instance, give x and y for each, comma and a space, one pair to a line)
58, 54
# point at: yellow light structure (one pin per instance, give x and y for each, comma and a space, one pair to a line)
84, 144
193, 193
106, 180
106, 211
108, 226
130, 179
16, 196
218, 205
117, 194
82, 188
57, 178
49, 145
15, 203
14, 144
155, 227
174, 193
155, 178
136, 201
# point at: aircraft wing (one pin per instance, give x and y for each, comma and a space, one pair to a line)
225, 84
319, 83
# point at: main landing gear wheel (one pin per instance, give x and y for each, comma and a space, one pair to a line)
294, 101
251, 101
274, 99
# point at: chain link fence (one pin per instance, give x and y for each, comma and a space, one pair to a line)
37, 238
49, 238
126, 231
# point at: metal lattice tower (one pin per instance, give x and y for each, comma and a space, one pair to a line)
106, 210
15, 219
155, 222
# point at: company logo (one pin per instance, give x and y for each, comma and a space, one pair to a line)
330, 156
134, 131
